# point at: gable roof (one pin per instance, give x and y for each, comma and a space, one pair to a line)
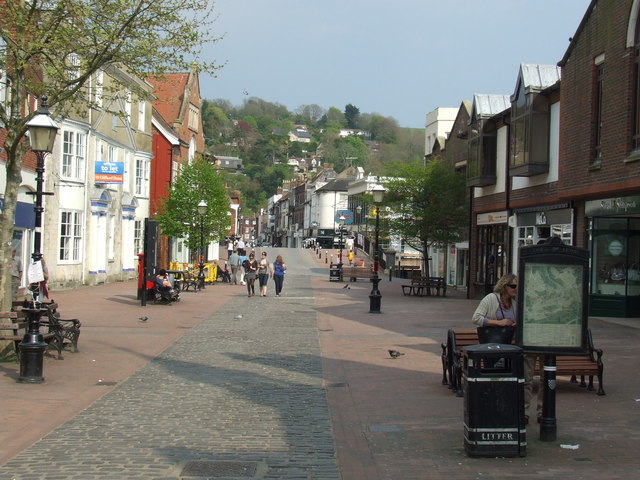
169, 90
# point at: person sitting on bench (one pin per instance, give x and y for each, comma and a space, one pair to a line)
164, 286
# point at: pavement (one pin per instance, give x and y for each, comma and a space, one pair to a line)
222, 385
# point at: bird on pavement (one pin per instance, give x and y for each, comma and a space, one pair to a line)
395, 353
143, 319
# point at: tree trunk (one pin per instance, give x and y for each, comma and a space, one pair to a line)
7, 220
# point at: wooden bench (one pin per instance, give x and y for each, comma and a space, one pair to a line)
189, 280
60, 332
10, 329
589, 364
416, 287
429, 286
15, 330
358, 272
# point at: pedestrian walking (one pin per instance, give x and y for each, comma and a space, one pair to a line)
251, 269
234, 262
229, 248
265, 270
242, 270
279, 268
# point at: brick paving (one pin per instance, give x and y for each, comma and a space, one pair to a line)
298, 387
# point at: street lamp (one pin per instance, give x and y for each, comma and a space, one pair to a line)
375, 297
202, 210
42, 132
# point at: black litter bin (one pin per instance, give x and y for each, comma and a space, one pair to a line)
493, 383
335, 272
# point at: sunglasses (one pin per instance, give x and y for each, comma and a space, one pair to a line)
512, 285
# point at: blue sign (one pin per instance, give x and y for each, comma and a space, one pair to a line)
109, 172
348, 217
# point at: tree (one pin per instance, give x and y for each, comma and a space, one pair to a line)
352, 114
56, 48
179, 215
428, 204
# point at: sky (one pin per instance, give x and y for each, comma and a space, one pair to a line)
396, 58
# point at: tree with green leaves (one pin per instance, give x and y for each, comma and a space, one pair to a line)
56, 48
428, 204
352, 115
179, 215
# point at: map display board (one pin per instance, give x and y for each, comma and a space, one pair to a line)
552, 299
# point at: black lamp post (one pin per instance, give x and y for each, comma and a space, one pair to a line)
202, 210
341, 220
42, 135
375, 298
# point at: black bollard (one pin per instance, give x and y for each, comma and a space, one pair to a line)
548, 426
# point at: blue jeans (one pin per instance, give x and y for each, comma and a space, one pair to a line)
279, 279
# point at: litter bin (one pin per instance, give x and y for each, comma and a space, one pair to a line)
493, 383
335, 272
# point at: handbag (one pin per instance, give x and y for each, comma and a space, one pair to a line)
495, 334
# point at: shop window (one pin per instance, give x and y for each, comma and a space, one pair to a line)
491, 254
615, 256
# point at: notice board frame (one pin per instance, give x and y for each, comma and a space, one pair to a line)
554, 275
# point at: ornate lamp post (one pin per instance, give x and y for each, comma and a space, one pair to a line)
202, 211
375, 298
42, 135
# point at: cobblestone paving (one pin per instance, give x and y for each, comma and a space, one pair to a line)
242, 389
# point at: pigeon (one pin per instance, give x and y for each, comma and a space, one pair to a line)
347, 287
395, 353
143, 319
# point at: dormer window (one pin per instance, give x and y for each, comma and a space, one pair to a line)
481, 161
529, 133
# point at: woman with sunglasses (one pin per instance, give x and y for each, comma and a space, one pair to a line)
498, 308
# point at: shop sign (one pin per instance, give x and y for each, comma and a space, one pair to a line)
492, 218
612, 206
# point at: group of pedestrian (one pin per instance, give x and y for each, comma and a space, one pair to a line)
245, 270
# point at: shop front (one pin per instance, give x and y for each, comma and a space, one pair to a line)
614, 245
534, 225
491, 251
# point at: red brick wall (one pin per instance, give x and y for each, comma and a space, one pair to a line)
603, 32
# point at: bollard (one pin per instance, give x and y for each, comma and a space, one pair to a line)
325, 257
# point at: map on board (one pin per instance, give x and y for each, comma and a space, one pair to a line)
552, 305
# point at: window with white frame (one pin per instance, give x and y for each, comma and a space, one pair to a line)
99, 88
142, 176
127, 105
73, 154
70, 235
73, 68
137, 237
142, 112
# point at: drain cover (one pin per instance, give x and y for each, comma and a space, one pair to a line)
219, 469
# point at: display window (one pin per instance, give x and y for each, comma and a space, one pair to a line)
615, 256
